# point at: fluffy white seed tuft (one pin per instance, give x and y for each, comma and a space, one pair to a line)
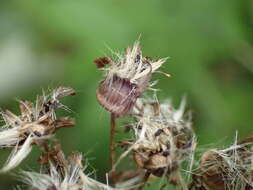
18, 155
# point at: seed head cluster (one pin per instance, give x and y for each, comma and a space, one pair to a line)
162, 143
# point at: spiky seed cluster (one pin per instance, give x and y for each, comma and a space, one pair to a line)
163, 137
61, 173
35, 124
227, 169
125, 79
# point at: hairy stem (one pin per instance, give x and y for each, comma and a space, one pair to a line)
112, 140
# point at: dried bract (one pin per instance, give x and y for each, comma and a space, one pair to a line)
125, 79
226, 169
163, 137
35, 124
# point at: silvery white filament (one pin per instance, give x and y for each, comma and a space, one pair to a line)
55, 176
178, 114
9, 137
71, 178
132, 183
37, 180
42, 181
125, 66
91, 184
18, 155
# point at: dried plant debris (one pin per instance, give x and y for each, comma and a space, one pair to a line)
125, 79
36, 124
131, 179
61, 173
226, 169
163, 138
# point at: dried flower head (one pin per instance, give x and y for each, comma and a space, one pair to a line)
163, 137
226, 169
125, 79
35, 124
61, 173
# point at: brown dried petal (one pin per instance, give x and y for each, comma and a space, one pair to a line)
64, 122
248, 139
102, 61
54, 155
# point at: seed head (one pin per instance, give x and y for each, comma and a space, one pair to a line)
226, 169
125, 79
35, 124
163, 137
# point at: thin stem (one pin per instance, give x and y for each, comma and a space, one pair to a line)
112, 140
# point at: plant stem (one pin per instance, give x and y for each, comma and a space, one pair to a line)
112, 140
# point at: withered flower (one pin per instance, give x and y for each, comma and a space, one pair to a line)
125, 79
35, 124
62, 173
163, 138
230, 168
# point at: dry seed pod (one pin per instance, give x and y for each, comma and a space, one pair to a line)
163, 137
229, 168
125, 79
36, 123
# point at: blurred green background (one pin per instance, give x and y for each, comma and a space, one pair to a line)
46, 43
